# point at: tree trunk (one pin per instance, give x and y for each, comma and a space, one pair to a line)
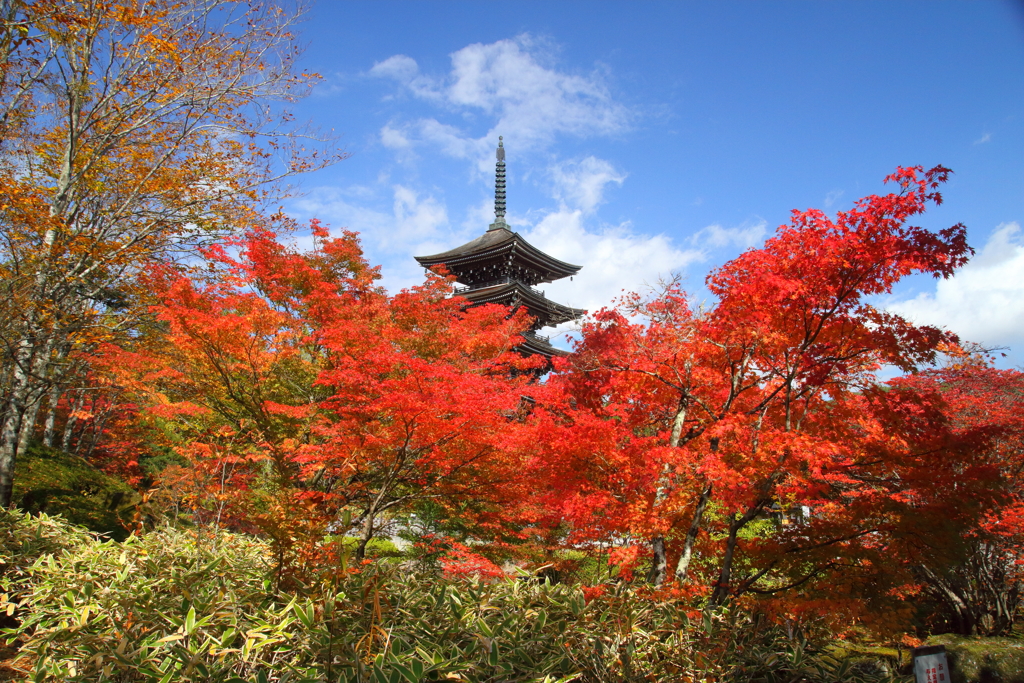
722, 589
50, 426
21, 379
69, 424
366, 536
683, 566
28, 423
659, 563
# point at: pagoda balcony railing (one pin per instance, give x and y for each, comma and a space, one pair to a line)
530, 335
459, 289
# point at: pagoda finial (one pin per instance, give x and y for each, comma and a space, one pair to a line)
499, 189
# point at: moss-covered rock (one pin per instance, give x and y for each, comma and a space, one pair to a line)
975, 659
57, 483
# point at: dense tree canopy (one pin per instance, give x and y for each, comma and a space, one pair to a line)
746, 450
129, 132
300, 389
755, 435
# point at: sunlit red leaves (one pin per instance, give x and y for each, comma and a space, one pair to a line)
768, 398
356, 399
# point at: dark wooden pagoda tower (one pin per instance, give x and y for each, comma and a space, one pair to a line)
501, 267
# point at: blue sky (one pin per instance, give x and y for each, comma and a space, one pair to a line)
647, 139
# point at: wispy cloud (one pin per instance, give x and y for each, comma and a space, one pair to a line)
983, 139
406, 71
514, 83
984, 301
414, 222
581, 184
832, 197
514, 87
614, 258
742, 236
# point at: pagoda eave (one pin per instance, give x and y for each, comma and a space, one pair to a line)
536, 345
496, 248
546, 311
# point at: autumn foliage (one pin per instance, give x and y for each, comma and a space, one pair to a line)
302, 391
743, 451
739, 451
750, 445
130, 134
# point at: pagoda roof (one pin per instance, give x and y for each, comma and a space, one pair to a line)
498, 242
510, 293
537, 344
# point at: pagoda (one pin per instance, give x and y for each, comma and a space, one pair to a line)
500, 267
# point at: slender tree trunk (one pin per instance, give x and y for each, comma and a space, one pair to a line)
722, 588
659, 560
83, 433
97, 433
683, 566
366, 536
659, 563
10, 431
69, 424
28, 423
725, 572
50, 425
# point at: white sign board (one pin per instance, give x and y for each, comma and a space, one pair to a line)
930, 665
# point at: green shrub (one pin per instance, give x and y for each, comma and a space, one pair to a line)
179, 606
25, 538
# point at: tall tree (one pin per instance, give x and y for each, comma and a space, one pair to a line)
969, 559
129, 132
674, 426
298, 376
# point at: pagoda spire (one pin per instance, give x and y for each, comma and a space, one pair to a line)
499, 189
500, 267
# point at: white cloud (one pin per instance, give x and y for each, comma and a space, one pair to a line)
508, 80
413, 219
399, 67
581, 183
833, 197
983, 139
453, 142
614, 258
416, 219
532, 102
742, 237
514, 88
393, 138
406, 71
984, 301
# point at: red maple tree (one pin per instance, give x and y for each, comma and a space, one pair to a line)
707, 431
307, 398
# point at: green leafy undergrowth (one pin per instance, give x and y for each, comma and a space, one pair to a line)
182, 606
57, 483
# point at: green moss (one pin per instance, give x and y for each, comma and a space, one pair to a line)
971, 659
871, 659
975, 659
376, 548
57, 483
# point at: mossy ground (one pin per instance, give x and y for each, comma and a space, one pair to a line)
975, 659
58, 483
972, 659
